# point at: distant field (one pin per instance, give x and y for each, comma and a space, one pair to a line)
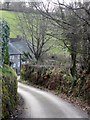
13, 21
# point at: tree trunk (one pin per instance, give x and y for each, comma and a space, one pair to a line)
73, 68
73, 57
88, 68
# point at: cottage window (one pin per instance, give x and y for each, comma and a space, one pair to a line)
12, 57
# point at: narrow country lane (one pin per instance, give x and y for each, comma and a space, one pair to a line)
41, 104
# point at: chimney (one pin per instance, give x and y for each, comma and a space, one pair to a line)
18, 37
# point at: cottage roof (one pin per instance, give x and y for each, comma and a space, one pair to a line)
13, 50
17, 46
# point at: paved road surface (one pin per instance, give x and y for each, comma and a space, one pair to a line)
41, 104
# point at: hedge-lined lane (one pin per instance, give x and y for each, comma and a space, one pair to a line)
41, 104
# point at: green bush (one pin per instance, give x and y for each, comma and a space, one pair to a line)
9, 91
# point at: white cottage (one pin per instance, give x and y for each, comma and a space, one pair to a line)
16, 48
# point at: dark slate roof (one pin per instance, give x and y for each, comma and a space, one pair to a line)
18, 46
13, 50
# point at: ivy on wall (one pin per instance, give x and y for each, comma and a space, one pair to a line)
4, 36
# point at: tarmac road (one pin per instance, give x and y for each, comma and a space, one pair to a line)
42, 104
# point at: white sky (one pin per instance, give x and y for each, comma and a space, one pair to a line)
63, 1
66, 1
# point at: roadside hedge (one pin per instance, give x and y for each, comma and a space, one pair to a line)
9, 91
54, 78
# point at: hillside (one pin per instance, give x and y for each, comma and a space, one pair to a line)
13, 21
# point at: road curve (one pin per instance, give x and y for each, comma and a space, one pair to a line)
41, 104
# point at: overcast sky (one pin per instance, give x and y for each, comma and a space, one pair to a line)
66, 1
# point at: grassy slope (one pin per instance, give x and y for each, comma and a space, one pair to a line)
12, 19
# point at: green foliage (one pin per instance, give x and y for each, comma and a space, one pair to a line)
6, 60
5, 32
9, 91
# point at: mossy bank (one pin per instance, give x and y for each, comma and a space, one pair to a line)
9, 91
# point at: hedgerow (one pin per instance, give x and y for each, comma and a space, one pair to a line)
9, 91
54, 78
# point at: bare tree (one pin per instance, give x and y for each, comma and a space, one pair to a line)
75, 26
35, 28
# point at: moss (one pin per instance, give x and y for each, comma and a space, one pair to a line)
7, 71
9, 90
